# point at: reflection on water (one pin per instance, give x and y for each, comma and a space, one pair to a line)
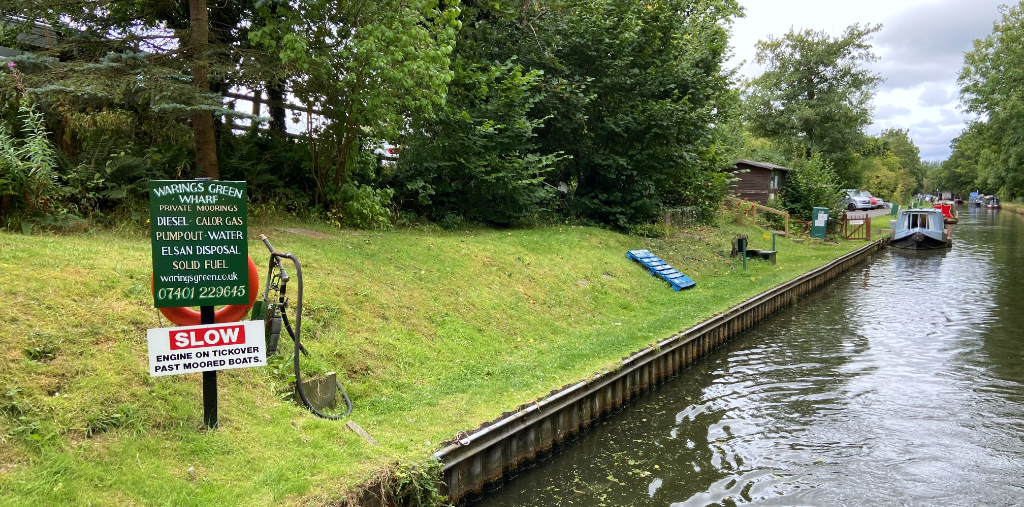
900, 383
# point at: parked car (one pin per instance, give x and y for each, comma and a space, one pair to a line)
387, 152
876, 202
854, 201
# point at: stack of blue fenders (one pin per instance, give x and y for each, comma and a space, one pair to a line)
658, 267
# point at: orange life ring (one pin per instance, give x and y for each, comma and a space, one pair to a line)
185, 316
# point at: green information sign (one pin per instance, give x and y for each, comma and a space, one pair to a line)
200, 243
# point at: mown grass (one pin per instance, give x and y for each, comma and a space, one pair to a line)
879, 223
431, 332
1014, 207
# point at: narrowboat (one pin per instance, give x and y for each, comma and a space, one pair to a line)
947, 213
993, 202
920, 229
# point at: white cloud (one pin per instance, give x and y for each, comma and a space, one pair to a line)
920, 47
950, 117
889, 111
936, 94
926, 43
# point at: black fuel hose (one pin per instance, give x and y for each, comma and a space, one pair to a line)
298, 346
291, 332
275, 259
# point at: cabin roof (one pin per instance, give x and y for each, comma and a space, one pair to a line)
762, 165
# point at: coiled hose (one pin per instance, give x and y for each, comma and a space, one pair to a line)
297, 333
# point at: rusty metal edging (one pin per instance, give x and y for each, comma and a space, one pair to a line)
602, 388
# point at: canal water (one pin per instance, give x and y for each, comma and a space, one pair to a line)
899, 383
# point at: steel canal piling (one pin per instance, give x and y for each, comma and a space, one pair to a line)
486, 457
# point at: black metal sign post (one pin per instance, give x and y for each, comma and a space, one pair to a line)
209, 378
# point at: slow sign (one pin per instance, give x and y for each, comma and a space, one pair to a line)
200, 248
210, 347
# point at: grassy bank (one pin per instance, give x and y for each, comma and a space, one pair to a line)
431, 332
1013, 207
879, 223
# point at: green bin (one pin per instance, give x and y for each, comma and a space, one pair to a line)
819, 221
895, 210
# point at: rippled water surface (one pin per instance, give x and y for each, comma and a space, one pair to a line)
900, 383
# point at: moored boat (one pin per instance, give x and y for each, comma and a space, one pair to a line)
947, 213
921, 229
993, 202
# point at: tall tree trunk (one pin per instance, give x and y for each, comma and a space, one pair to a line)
275, 92
202, 121
257, 99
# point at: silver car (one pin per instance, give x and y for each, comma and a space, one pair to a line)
853, 201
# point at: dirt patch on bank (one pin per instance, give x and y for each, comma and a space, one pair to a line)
305, 232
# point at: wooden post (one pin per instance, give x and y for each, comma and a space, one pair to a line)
787, 224
202, 121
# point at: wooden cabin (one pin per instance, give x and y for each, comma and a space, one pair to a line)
758, 181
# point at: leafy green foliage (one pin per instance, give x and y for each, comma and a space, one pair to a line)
649, 230
415, 483
760, 149
771, 220
116, 89
899, 143
812, 183
969, 165
885, 178
988, 88
634, 89
890, 166
599, 110
366, 207
479, 157
276, 168
27, 166
815, 95
364, 66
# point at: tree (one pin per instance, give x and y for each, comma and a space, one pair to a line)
812, 183
605, 109
885, 177
202, 120
969, 166
990, 86
478, 158
634, 91
899, 143
154, 60
815, 94
890, 165
364, 67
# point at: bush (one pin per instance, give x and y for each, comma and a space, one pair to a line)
649, 230
812, 183
364, 207
771, 220
478, 159
28, 167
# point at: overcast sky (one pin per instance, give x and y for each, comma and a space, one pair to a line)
921, 47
